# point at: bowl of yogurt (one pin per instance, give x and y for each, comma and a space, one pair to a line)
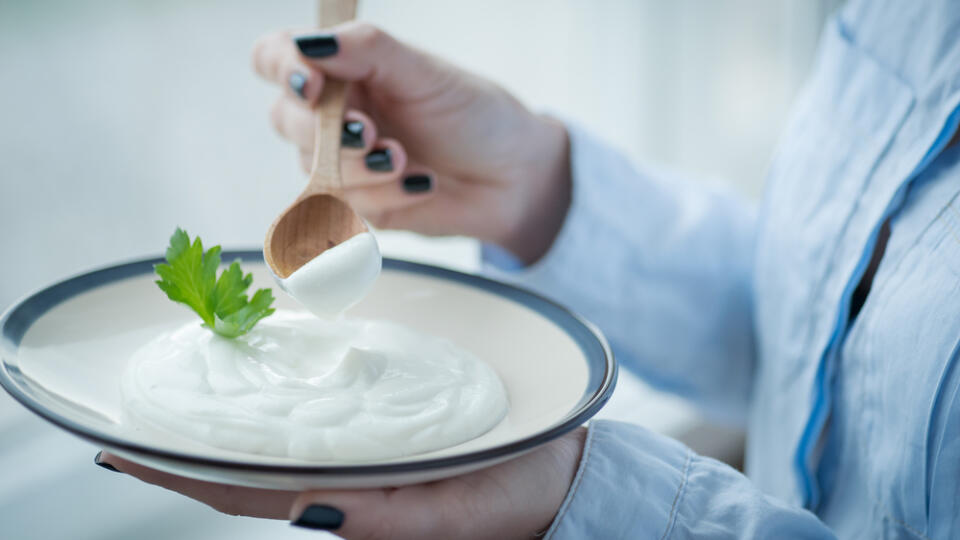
428, 374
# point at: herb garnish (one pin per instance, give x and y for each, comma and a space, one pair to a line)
190, 277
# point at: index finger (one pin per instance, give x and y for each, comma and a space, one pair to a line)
275, 58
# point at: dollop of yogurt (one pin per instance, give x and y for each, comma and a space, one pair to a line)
338, 278
313, 389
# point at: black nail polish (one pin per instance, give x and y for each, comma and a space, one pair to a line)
352, 135
317, 45
417, 183
297, 82
320, 516
104, 464
379, 160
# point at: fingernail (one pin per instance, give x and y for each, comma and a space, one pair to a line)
317, 45
379, 160
352, 135
320, 516
297, 82
104, 464
417, 183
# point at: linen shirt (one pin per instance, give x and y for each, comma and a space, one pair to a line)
853, 424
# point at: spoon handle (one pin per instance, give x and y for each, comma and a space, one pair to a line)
325, 173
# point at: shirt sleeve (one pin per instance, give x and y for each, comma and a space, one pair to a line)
663, 267
633, 483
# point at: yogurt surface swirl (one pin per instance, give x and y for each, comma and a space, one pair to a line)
312, 389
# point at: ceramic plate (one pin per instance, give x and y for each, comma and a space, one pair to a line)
65, 347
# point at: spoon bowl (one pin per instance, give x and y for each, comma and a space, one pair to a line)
311, 225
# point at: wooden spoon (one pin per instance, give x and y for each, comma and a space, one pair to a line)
319, 218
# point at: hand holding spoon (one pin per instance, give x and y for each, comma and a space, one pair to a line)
319, 249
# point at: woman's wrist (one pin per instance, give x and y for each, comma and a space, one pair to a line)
541, 195
567, 452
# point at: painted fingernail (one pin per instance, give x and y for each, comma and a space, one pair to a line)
317, 45
320, 516
104, 464
417, 183
352, 135
379, 160
297, 82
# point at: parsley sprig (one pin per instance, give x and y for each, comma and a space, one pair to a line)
190, 277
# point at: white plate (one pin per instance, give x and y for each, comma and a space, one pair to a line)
65, 347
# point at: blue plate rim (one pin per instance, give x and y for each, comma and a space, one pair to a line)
18, 318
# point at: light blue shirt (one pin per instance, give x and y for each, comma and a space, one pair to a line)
853, 426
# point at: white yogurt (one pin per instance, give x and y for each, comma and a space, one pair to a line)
313, 389
338, 278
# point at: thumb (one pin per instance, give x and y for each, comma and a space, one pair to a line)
413, 512
358, 51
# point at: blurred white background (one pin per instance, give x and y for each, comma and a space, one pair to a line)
121, 120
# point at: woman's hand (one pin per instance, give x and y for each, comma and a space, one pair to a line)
515, 499
428, 147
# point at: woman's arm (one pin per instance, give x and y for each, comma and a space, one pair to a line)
663, 267
633, 483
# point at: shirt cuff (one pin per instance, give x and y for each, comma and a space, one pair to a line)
581, 229
628, 485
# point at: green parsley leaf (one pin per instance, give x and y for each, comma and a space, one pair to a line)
190, 277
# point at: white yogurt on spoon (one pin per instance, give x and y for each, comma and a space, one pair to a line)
338, 278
